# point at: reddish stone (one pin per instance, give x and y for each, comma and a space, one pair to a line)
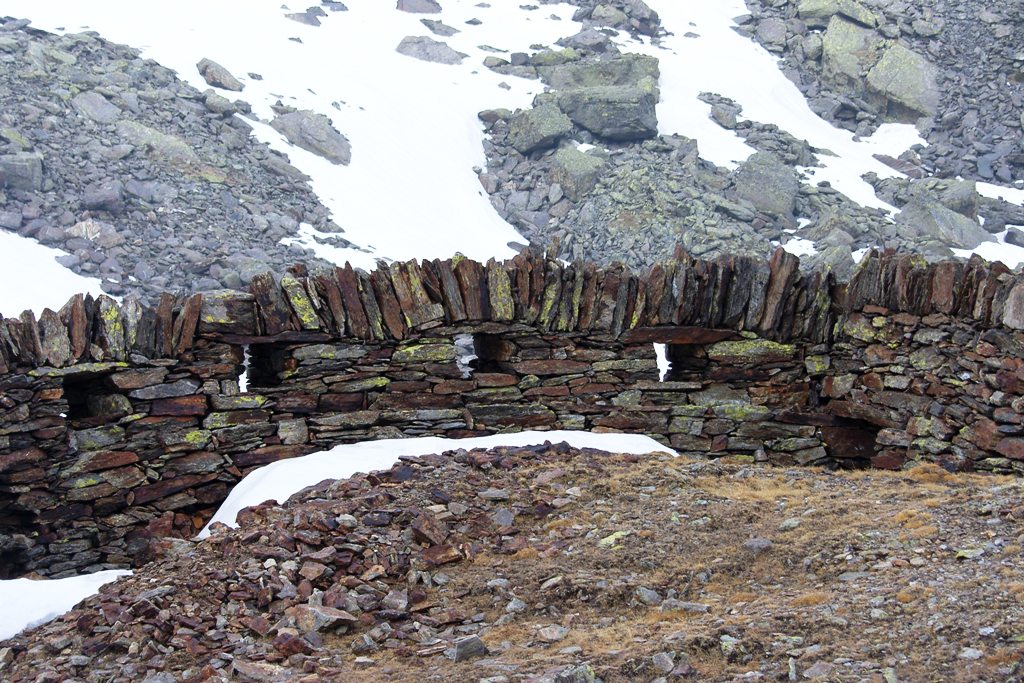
181, 405
342, 402
167, 487
550, 367
49, 394
595, 388
547, 391
889, 460
426, 528
296, 403
642, 422
268, 454
1011, 448
412, 386
440, 554
16, 459
495, 379
454, 386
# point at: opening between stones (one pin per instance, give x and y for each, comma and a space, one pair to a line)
92, 400
266, 366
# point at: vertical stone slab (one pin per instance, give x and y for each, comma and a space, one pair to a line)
589, 296
499, 293
74, 317
274, 312
608, 299
108, 329
300, 303
945, 286
552, 294
54, 340
164, 337
473, 286
784, 270
390, 308
348, 283
451, 295
327, 287
374, 316
185, 324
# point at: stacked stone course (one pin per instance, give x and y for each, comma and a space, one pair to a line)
123, 423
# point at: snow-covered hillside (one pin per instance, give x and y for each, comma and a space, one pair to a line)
411, 190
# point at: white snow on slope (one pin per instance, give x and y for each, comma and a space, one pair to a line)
721, 61
24, 261
25, 603
279, 480
410, 191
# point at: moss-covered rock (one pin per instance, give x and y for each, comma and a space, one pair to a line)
617, 113
907, 79
750, 352
434, 351
538, 128
575, 171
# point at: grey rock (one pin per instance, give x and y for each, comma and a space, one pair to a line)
429, 50
575, 172
217, 76
314, 133
928, 219
626, 70
22, 171
618, 113
465, 648
419, 6
772, 31
848, 50
439, 28
183, 387
105, 196
96, 107
757, 546
817, 13
553, 633
538, 128
906, 79
767, 183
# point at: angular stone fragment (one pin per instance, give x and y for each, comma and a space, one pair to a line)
182, 387
538, 128
217, 76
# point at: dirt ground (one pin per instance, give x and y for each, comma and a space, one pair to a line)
554, 564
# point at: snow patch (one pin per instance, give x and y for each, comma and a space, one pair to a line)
28, 603
33, 280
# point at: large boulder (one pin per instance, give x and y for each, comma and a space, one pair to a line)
818, 13
419, 6
429, 50
314, 133
538, 128
958, 195
22, 171
927, 220
617, 113
626, 69
768, 184
95, 107
575, 171
848, 50
217, 76
160, 146
906, 79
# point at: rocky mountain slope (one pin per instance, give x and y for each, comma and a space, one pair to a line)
146, 182
152, 185
555, 564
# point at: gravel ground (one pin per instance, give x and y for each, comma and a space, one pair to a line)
554, 564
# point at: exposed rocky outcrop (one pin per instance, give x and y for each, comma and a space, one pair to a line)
864, 62
555, 564
147, 183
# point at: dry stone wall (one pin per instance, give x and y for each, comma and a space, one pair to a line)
123, 424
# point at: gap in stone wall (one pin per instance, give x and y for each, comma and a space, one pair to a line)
465, 347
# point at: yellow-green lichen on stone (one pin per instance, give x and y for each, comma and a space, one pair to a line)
301, 303
425, 351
